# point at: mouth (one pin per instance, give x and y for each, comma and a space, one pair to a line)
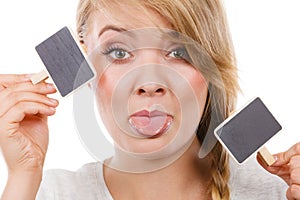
151, 124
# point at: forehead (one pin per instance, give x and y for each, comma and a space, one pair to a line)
127, 17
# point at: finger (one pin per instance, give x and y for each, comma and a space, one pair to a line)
12, 99
295, 170
285, 157
10, 93
18, 112
295, 162
10, 79
41, 88
295, 176
293, 193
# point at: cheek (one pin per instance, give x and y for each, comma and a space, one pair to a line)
104, 94
105, 87
199, 86
108, 91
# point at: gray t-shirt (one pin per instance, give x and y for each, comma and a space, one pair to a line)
247, 182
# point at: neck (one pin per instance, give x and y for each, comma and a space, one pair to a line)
187, 177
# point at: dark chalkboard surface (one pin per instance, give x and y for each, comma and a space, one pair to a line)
248, 130
65, 62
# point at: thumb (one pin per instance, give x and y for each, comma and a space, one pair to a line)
278, 168
289, 194
282, 158
270, 169
285, 157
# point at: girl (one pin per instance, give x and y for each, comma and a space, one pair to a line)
171, 65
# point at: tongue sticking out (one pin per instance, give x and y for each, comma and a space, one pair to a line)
151, 125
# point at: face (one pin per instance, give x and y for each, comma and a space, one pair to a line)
148, 95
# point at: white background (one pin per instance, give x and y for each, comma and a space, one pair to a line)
266, 35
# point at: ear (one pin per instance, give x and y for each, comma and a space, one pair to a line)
83, 47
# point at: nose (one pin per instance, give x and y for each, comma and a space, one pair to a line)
151, 90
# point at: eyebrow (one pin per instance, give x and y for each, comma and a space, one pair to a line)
111, 27
173, 33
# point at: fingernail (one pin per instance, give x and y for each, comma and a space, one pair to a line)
54, 101
50, 86
52, 109
276, 160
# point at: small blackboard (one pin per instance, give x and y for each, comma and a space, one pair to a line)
245, 132
65, 61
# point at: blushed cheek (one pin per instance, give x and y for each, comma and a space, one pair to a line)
106, 85
200, 87
103, 95
104, 91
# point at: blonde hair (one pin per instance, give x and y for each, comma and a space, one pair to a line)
205, 22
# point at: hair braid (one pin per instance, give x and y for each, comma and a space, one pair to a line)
219, 187
220, 173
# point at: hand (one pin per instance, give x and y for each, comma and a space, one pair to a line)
23, 122
287, 166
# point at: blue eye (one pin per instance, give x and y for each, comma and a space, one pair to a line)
119, 54
179, 53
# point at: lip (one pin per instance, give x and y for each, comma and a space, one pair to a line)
168, 119
146, 113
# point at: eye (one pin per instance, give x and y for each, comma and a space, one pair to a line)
179, 53
119, 54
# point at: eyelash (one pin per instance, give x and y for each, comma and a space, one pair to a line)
107, 52
185, 57
111, 49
